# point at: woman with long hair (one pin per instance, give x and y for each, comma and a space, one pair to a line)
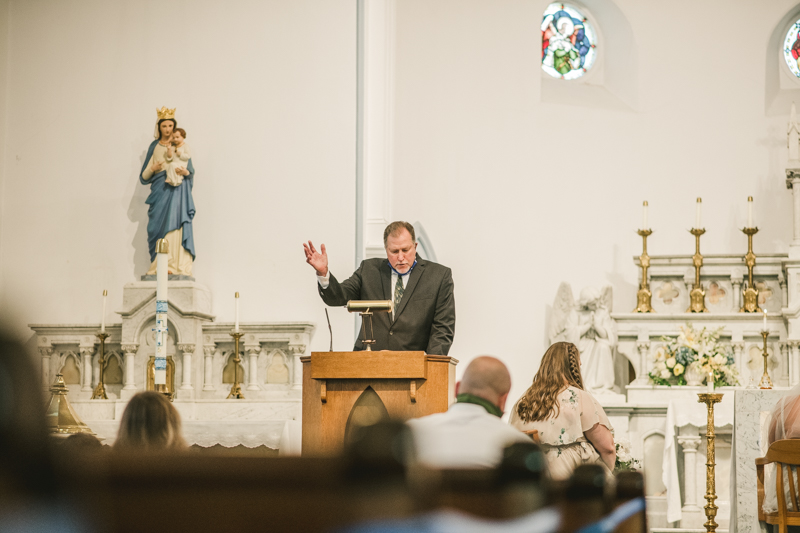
573, 428
150, 422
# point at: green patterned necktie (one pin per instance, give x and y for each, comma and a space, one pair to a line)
398, 292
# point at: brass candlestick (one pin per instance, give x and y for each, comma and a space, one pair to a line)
711, 489
236, 388
100, 391
644, 296
697, 297
766, 382
750, 292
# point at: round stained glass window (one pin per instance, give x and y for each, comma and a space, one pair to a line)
791, 48
568, 42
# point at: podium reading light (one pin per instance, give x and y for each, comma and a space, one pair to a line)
366, 308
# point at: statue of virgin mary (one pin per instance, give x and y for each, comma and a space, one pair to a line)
171, 207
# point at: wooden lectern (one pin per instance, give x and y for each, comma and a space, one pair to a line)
345, 390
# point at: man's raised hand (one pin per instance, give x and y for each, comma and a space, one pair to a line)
319, 261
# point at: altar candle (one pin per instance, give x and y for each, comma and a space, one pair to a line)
765, 321
749, 211
710, 383
103, 320
644, 215
236, 326
162, 276
697, 213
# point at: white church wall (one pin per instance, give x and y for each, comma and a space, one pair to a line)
4, 10
518, 194
266, 92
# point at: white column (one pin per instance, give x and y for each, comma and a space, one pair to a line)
130, 365
736, 284
46, 352
795, 362
738, 349
252, 358
689, 445
188, 353
794, 184
297, 351
784, 351
784, 290
376, 50
208, 370
86, 362
643, 348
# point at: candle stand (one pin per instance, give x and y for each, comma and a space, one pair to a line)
766, 382
100, 391
697, 297
750, 293
644, 296
711, 489
236, 388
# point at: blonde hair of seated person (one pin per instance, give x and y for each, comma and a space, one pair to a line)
150, 422
560, 368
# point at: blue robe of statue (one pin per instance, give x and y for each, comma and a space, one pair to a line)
170, 208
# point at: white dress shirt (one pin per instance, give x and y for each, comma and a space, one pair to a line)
465, 436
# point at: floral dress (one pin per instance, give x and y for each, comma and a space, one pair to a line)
561, 437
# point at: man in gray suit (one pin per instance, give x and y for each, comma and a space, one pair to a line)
424, 316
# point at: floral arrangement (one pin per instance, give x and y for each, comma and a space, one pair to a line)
691, 356
625, 460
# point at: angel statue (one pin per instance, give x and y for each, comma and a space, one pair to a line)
588, 325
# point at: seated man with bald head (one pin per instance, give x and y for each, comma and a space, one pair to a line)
470, 434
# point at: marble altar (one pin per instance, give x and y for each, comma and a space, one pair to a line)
200, 352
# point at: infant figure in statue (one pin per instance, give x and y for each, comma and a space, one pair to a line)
589, 326
177, 156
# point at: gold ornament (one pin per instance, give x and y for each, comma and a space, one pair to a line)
165, 112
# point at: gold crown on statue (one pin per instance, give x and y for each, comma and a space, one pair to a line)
165, 113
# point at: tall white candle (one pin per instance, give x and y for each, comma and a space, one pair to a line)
697, 213
749, 211
162, 276
236, 325
765, 320
103, 319
710, 383
644, 215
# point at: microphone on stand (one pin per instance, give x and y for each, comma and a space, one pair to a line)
329, 328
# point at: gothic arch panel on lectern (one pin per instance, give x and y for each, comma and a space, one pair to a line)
368, 409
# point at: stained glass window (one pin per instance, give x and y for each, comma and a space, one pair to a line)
568, 42
791, 48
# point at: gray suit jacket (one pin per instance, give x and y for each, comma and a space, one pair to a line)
426, 317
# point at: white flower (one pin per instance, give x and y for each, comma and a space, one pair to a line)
720, 359
623, 456
661, 366
678, 370
665, 374
671, 362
